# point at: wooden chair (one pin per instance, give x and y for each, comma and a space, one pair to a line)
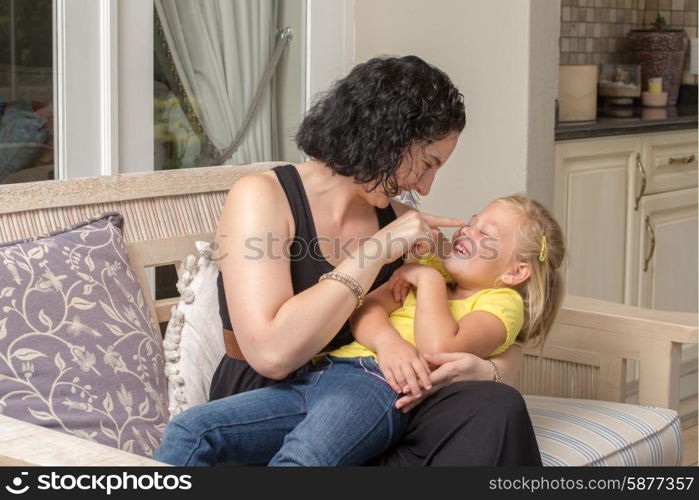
165, 212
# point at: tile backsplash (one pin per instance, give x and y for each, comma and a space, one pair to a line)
594, 31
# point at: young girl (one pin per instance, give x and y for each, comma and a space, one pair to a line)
503, 285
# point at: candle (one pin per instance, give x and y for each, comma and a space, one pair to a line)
655, 85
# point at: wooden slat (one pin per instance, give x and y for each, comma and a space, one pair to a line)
13, 462
29, 443
610, 316
551, 377
163, 309
612, 379
118, 188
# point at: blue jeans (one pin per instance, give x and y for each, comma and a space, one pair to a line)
339, 411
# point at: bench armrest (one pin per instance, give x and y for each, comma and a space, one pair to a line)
607, 334
22, 444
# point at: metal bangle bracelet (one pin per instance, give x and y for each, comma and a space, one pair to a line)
497, 377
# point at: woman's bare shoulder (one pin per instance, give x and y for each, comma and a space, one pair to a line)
258, 184
259, 197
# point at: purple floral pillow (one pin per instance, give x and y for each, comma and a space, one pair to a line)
79, 350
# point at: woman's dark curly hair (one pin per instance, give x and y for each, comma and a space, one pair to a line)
367, 121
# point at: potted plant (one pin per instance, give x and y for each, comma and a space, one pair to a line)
660, 52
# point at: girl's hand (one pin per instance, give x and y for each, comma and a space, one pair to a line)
451, 367
405, 369
407, 277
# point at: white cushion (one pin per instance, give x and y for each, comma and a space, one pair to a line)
194, 339
581, 432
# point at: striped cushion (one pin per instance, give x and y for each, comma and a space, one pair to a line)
582, 432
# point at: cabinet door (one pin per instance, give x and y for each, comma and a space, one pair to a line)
667, 264
670, 161
668, 243
593, 189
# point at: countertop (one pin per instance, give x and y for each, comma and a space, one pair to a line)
629, 120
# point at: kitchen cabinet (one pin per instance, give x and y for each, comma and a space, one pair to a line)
610, 195
628, 208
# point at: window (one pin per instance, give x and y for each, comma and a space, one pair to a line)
26, 91
228, 86
221, 72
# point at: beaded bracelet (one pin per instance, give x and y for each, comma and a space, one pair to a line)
349, 282
496, 371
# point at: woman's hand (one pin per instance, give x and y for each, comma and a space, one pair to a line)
405, 369
407, 231
450, 368
438, 245
407, 277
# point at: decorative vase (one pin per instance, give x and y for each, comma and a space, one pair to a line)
660, 54
577, 93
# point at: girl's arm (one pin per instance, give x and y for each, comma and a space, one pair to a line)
436, 330
370, 325
400, 362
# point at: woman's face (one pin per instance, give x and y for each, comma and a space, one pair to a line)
418, 168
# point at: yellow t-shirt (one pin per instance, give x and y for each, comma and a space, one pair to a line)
504, 303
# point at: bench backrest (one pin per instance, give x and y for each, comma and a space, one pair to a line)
165, 212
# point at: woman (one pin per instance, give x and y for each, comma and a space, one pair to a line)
385, 129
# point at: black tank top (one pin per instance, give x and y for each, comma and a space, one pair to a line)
232, 375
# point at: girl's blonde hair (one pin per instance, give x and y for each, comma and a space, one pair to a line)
540, 244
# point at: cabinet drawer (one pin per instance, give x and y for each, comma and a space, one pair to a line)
670, 161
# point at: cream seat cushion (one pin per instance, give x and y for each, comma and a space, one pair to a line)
583, 432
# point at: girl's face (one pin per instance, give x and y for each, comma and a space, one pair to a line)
418, 168
482, 251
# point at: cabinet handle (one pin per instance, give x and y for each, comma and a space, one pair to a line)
683, 159
650, 230
640, 168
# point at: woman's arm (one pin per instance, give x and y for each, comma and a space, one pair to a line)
278, 331
509, 363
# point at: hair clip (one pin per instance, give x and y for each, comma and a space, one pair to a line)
544, 250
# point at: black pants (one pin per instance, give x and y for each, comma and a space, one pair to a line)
467, 423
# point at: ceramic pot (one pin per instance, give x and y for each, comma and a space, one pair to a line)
660, 54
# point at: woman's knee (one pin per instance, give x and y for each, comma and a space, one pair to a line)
506, 397
504, 400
